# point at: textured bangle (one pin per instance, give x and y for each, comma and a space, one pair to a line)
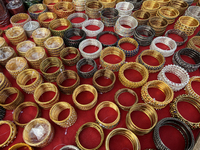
40, 35
109, 16
37, 7
194, 43
167, 41
2, 113
45, 18
151, 6
24, 46
69, 147
181, 5
103, 42
7, 53
193, 11
93, 9
188, 88
20, 145
137, 4
142, 16
124, 8
49, 5
76, 15
4, 82
64, 8
20, 16
136, 66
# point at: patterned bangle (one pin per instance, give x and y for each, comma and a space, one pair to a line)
194, 42
37, 7
2, 113
189, 89
124, 8
109, 16
76, 15
107, 32
19, 145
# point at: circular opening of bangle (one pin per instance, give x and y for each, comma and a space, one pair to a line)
189, 21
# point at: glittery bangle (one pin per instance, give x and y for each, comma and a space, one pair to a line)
76, 15
109, 16
107, 32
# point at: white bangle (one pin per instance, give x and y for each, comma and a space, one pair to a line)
92, 22
88, 42
75, 15
193, 11
164, 40
124, 8
179, 72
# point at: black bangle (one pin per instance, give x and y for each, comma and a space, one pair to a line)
2, 112
180, 126
183, 35
144, 30
85, 61
73, 32
177, 60
136, 3
109, 16
107, 32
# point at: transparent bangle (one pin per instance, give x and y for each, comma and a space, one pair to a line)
124, 8
75, 15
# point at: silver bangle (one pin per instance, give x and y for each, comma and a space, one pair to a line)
75, 15
193, 11
92, 22
124, 8
167, 41
88, 42
71, 147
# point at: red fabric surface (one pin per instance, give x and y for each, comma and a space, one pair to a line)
89, 137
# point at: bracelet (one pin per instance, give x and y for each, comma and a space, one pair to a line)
79, 5
2, 113
151, 6
106, 73
180, 5
135, 66
129, 53
93, 9
167, 41
108, 4
194, 42
76, 15
163, 3
67, 74
124, 8
142, 16
179, 33
24, 46
91, 33
20, 16
5, 93
161, 85
193, 11
46, 16
40, 35
91, 125
137, 4
124, 132
112, 51
4, 82
82, 88
120, 91
20, 108
2, 41
49, 2
109, 16
7, 53
64, 8
30, 27
69, 147
33, 10
157, 55
142, 30
104, 42
188, 88
19, 145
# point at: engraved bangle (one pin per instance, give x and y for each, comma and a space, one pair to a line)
151, 6
4, 82
69, 147
20, 145
142, 16
76, 15
124, 8
107, 32
93, 9
109, 16
194, 43
10, 54
189, 89
193, 11
136, 3
181, 5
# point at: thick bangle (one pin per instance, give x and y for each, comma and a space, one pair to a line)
137, 4
92, 125
93, 9
19, 145
188, 88
136, 66
67, 74
151, 6
21, 16
194, 42
82, 88
10, 54
40, 35
2, 113
30, 27
4, 82
63, 9
37, 7
142, 16
46, 16
109, 16
107, 32
124, 8
167, 41
157, 55
69, 147
76, 15
24, 46
49, 5
193, 11
18, 110
161, 85
180, 5
120, 91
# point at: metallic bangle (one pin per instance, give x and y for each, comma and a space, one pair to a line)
93, 9
161, 85
163, 2
20, 108
108, 4
167, 41
151, 6
2, 113
82, 88
180, 126
69, 147
30, 27
124, 132
92, 125
137, 4
193, 11
188, 88
109, 16
64, 8
40, 35
2, 42
19, 145
194, 42
179, 72
7, 53
37, 7
179, 33
157, 55
107, 32
49, 5
129, 53
142, 30
4, 82
24, 46
181, 5
46, 16
76, 15
120, 91
5, 93
124, 8
20, 16
79, 5
142, 16
57, 108
67, 74
136, 66
112, 51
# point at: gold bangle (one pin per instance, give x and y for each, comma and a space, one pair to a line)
120, 91
20, 16
4, 82
2, 42
12, 135
68, 74
181, 5
19, 145
45, 16
18, 110
5, 59
24, 46
125, 132
92, 125
142, 16
45, 87
136, 66
63, 9
149, 111
194, 42
5, 93
108, 4
106, 73
57, 108
93, 9
163, 2
40, 35
176, 114
189, 89
161, 85
49, 2
81, 88
151, 7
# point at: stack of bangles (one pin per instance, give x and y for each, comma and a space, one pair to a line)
136, 3
76, 15
142, 16
193, 11
194, 43
4, 82
180, 5
79, 5
151, 7
109, 16
93, 9
124, 8
188, 88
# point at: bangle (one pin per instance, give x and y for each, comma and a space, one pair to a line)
124, 8
2, 113
180, 5
142, 30
194, 42
27, 75
57, 108
120, 91
20, 108
12, 135
104, 42
129, 53
161, 85
33, 10
2, 42
93, 9
79, 5
67, 74
179, 33
40, 35
49, 2
108, 4
4, 82
20, 16
109, 16
46, 16
137, 4
70, 50
136, 66
112, 51
163, 2
7, 53
24, 46
188, 88
5, 93
180, 126
19, 145
91, 125
83, 88
167, 41
31, 26
157, 55
73, 32
69, 147
151, 6
193, 11
124, 132
63, 9
76, 15
142, 16
106, 73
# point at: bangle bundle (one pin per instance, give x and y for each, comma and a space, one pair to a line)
7, 53
49, 5
4, 82
104, 42
46, 16
93, 9
124, 8
108, 3
20, 16
30, 27
137, 4
193, 11
37, 7
63, 9
181, 5
194, 43
24, 46
19, 145
188, 88
109, 16
76, 15
79, 5
151, 7
40, 35
142, 16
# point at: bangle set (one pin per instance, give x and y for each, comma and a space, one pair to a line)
4, 82
3, 42
163, 2
79, 5
142, 16
104, 44
40, 35
109, 16
75, 15
151, 6
108, 4
10, 54
30, 27
63, 9
37, 7
136, 4
194, 43
181, 5
193, 11
46, 16
124, 8
21, 16
24, 46
93, 9
188, 88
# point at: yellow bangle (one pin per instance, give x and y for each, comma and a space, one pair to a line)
151, 7
19, 145
189, 89
194, 43
4, 82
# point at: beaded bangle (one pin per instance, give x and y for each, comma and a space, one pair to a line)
193, 11
75, 15
194, 42
2, 113
93, 9
40, 35
10, 54
109, 16
19, 145
107, 32
20, 16
4, 82
124, 8
37, 7
181, 5
188, 88
142, 16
